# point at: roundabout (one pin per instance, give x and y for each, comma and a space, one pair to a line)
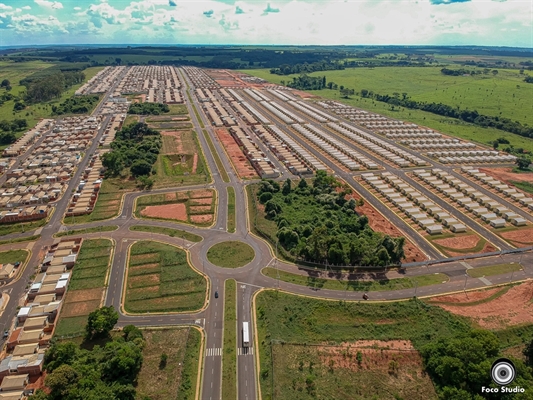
230, 254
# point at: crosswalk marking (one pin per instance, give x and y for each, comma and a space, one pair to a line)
245, 351
213, 352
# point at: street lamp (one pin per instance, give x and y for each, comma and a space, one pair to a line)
466, 278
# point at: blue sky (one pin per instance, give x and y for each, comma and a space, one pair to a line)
413, 22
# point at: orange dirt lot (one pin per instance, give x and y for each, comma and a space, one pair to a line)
378, 223
83, 295
466, 297
201, 201
202, 219
510, 309
152, 279
194, 163
488, 248
170, 196
79, 308
461, 242
169, 211
200, 209
507, 175
239, 161
524, 236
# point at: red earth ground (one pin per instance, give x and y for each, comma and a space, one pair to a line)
169, 211
241, 164
461, 242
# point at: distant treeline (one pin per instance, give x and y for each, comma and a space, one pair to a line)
306, 82
50, 83
471, 116
287, 69
148, 108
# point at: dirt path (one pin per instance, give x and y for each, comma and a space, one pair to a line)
194, 163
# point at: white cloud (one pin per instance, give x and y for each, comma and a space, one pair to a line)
56, 5
5, 7
26, 8
77, 8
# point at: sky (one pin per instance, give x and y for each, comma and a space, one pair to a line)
288, 22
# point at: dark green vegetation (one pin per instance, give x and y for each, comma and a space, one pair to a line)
317, 224
50, 83
95, 372
13, 256
191, 237
135, 147
148, 108
76, 105
9, 130
96, 229
457, 358
525, 186
231, 210
229, 355
306, 82
170, 364
100, 322
160, 279
231, 254
312, 280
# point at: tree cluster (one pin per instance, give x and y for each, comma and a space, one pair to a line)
460, 366
471, 116
135, 147
459, 72
46, 87
528, 79
148, 108
305, 68
8, 130
76, 105
318, 224
107, 372
306, 82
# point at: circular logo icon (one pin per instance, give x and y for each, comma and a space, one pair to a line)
503, 371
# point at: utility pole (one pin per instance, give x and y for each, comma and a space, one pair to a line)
466, 278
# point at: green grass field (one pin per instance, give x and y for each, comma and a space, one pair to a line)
231, 254
22, 227
493, 270
191, 237
488, 94
356, 286
218, 161
107, 205
22, 239
231, 210
161, 381
86, 287
229, 354
97, 229
13, 256
160, 279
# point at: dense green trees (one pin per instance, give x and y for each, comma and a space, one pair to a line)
76, 105
8, 129
148, 108
100, 322
135, 147
103, 373
318, 224
306, 82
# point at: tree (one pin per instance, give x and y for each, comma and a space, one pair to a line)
495, 144
5, 83
140, 167
60, 353
60, 381
494, 72
523, 163
286, 187
112, 161
100, 322
123, 362
364, 93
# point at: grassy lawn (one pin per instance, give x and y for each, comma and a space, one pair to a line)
97, 229
216, 157
13, 256
195, 207
446, 250
22, 227
284, 318
493, 270
191, 237
86, 287
229, 360
231, 210
230, 254
173, 379
107, 206
195, 111
160, 279
356, 286
488, 94
131, 119
23, 239
175, 169
525, 186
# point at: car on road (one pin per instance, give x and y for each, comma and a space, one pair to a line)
216, 295
6, 334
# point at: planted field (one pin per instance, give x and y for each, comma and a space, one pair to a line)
98, 229
160, 279
86, 286
232, 254
13, 256
297, 321
191, 237
107, 206
6, 229
176, 377
229, 360
493, 270
503, 83
361, 284
196, 207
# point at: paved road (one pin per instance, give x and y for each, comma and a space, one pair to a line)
249, 278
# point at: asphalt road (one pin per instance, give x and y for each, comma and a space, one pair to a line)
249, 278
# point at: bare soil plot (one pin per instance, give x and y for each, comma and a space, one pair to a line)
167, 211
199, 194
521, 236
79, 308
143, 280
364, 369
144, 269
199, 209
201, 202
202, 219
240, 162
143, 258
466, 298
462, 242
507, 175
74, 296
510, 309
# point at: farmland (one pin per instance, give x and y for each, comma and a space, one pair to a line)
160, 279
86, 286
491, 95
106, 207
